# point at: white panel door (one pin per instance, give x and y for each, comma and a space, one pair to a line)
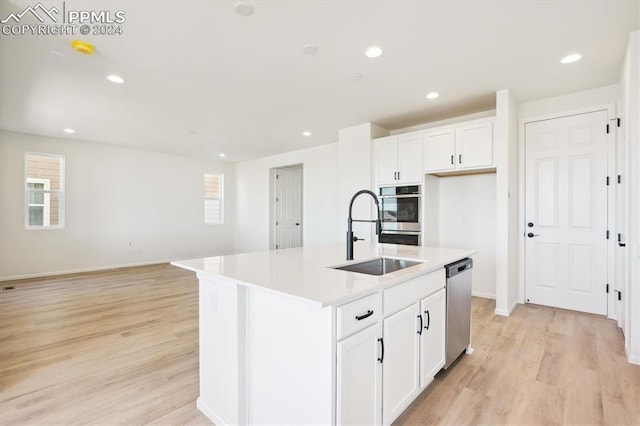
387, 161
400, 366
439, 149
566, 212
410, 159
474, 145
432, 352
359, 383
288, 205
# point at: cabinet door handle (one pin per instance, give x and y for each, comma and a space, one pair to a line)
367, 315
421, 325
398, 175
460, 158
381, 350
452, 159
428, 319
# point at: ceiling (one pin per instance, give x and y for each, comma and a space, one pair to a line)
201, 79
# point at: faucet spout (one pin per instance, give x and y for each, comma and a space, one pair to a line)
350, 238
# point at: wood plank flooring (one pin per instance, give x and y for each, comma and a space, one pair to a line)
120, 347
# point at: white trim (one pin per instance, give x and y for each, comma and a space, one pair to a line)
506, 313
634, 359
483, 295
60, 192
610, 109
98, 268
46, 213
200, 404
220, 176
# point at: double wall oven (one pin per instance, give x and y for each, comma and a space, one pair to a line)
400, 214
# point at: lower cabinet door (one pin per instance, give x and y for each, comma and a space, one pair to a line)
359, 378
400, 367
432, 349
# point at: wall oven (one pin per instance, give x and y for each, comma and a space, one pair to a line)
400, 214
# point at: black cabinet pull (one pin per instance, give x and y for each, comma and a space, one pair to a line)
382, 350
428, 319
421, 325
460, 158
367, 315
452, 159
398, 175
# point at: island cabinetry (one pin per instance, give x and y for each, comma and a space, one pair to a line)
411, 337
464, 147
398, 159
359, 378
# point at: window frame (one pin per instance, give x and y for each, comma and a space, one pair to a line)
47, 194
221, 198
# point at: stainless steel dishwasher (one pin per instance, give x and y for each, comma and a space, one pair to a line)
458, 331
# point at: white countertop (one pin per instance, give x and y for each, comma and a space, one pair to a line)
305, 273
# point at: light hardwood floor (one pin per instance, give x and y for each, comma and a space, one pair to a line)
120, 347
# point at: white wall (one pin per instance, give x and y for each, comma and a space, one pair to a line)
507, 202
467, 219
113, 196
319, 201
574, 101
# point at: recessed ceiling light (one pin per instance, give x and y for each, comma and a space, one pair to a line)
221, 155
571, 58
432, 95
68, 130
243, 8
373, 52
306, 133
310, 49
115, 79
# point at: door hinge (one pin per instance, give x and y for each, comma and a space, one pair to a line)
607, 180
277, 246
619, 179
607, 129
278, 176
619, 294
277, 199
618, 120
607, 287
607, 233
278, 224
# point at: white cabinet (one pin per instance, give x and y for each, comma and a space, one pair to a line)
464, 147
439, 150
400, 371
432, 348
398, 159
359, 378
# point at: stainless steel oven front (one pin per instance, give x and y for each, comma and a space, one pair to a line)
400, 214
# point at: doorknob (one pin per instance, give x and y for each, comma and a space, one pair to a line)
531, 235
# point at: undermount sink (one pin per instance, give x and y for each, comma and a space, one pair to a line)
378, 266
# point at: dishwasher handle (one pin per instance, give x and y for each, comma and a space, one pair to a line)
458, 267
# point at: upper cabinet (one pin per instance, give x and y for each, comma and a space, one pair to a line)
398, 159
463, 147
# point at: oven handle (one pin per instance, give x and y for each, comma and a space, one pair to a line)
402, 232
400, 196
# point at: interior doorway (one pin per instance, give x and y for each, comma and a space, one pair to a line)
286, 207
566, 204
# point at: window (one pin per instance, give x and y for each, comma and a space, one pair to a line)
44, 191
213, 198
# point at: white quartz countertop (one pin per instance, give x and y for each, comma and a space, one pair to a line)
305, 273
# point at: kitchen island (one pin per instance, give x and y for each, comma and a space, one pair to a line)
287, 339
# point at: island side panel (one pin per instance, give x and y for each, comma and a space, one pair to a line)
290, 361
222, 350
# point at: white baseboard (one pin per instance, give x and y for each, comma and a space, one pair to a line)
483, 295
504, 312
634, 359
209, 413
89, 269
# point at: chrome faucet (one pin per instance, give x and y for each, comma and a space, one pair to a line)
350, 237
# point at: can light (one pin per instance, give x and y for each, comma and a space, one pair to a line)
69, 130
373, 52
306, 133
569, 59
432, 95
222, 155
115, 79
